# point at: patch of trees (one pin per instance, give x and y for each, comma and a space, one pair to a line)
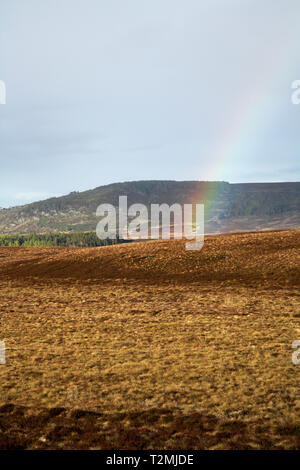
57, 239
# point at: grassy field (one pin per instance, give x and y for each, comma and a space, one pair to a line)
147, 345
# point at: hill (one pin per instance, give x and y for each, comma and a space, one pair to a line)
228, 207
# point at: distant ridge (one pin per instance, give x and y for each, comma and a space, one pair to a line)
228, 207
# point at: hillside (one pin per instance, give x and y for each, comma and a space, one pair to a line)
228, 207
147, 345
230, 258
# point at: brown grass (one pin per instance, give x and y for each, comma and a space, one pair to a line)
148, 345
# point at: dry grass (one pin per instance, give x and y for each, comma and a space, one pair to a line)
167, 348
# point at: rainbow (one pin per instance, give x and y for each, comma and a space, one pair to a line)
251, 111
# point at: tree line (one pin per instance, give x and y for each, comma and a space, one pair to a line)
87, 239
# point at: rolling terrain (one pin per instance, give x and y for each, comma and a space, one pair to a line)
148, 345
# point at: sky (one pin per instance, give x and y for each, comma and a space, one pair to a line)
121, 90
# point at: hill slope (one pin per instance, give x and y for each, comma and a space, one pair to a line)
228, 258
229, 207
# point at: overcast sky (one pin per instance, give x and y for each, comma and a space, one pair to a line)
118, 90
